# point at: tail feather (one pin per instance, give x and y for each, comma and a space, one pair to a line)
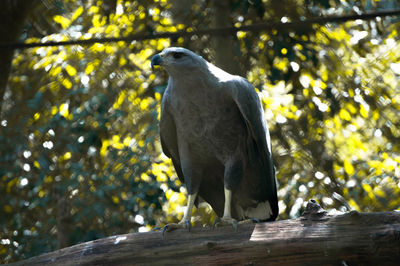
262, 211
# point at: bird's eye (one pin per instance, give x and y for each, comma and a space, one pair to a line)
177, 55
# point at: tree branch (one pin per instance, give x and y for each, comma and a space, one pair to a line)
316, 238
267, 26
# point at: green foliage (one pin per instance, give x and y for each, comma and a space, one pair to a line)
79, 139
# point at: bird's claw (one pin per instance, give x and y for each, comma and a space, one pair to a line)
225, 221
250, 221
164, 229
188, 225
255, 220
217, 220
173, 226
235, 225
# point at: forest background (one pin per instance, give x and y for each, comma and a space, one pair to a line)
80, 156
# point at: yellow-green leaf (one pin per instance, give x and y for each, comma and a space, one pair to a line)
70, 70
64, 109
36, 164
353, 204
343, 114
7, 208
64, 22
363, 111
77, 13
89, 68
348, 168
368, 189
67, 84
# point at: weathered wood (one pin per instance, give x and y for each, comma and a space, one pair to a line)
316, 238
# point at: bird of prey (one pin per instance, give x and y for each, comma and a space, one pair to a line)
213, 128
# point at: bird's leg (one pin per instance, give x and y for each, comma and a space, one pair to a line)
227, 206
185, 222
188, 212
227, 217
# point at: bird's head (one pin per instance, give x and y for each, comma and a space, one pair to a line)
176, 60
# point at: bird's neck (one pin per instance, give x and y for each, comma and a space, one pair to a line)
191, 83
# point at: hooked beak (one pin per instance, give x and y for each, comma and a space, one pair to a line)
155, 61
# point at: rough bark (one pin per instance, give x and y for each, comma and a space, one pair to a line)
316, 238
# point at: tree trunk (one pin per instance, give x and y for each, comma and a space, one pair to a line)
316, 238
13, 14
224, 44
63, 221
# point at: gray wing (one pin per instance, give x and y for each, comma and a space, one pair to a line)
169, 141
259, 144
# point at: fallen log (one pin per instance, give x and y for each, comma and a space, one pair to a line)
315, 238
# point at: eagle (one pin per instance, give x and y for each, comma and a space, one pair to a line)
212, 126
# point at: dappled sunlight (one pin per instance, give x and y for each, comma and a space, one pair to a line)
79, 123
